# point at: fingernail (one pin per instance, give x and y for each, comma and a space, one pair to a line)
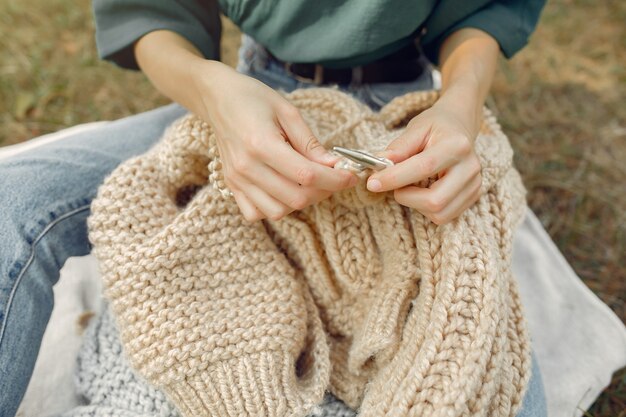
374, 185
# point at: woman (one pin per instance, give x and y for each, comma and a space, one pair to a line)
272, 162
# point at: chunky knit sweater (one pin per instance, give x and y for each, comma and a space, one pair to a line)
357, 295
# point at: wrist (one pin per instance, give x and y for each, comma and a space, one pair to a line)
208, 78
468, 59
175, 67
463, 100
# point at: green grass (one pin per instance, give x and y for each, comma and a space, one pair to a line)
561, 101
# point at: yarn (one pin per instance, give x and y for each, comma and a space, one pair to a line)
355, 295
105, 379
112, 389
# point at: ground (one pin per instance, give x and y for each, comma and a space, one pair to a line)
561, 101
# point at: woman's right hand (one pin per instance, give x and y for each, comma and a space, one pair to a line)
271, 160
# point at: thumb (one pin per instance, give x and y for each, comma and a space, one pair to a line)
409, 143
304, 141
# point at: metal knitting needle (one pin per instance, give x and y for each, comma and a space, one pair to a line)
364, 159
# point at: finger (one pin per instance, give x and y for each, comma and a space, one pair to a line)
267, 205
297, 168
302, 138
248, 210
464, 200
441, 193
282, 189
467, 199
410, 171
453, 182
410, 142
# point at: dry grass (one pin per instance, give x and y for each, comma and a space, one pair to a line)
561, 101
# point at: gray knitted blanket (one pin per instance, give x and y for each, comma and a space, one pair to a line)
112, 389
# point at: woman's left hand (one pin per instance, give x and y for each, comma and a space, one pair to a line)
437, 143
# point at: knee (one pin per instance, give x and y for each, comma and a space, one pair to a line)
42, 218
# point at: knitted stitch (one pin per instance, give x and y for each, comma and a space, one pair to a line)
104, 378
231, 318
111, 388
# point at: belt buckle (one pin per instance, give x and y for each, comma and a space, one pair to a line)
318, 76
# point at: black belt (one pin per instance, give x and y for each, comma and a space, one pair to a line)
401, 66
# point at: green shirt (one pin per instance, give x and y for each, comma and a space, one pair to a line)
333, 33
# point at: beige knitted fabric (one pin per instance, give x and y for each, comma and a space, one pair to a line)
357, 294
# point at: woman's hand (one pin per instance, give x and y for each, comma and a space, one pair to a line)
436, 143
272, 161
440, 141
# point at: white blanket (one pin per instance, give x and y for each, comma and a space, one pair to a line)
578, 340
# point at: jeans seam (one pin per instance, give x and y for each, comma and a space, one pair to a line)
18, 280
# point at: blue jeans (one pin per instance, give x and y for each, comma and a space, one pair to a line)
45, 197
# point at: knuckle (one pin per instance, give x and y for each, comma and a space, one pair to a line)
479, 183
435, 203
305, 176
299, 202
252, 217
400, 197
256, 145
311, 143
428, 164
277, 214
474, 199
463, 145
475, 166
438, 219
475, 186
241, 164
400, 143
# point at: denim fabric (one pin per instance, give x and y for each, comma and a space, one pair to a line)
255, 62
46, 193
534, 403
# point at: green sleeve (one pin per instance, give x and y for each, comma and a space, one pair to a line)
510, 22
119, 23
